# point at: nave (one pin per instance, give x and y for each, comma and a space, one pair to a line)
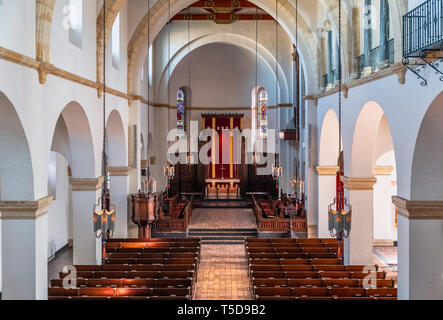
218, 267
168, 120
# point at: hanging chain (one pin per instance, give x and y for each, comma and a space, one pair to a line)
104, 96
149, 90
189, 56
256, 59
169, 69
276, 78
339, 81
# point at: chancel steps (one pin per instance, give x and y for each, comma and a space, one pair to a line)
222, 236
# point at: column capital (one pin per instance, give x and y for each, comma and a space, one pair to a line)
415, 210
359, 183
326, 170
118, 171
25, 210
86, 184
383, 170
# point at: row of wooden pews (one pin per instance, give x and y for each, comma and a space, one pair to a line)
309, 269
135, 269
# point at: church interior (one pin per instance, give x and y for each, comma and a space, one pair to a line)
221, 149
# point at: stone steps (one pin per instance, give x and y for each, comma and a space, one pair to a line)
222, 236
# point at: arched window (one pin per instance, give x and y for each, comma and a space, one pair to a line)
262, 112
181, 112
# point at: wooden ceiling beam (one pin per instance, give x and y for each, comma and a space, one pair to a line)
223, 4
223, 17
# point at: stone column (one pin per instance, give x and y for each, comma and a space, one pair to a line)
356, 41
383, 209
358, 248
383, 59
367, 38
420, 255
25, 249
324, 57
326, 194
330, 60
85, 192
119, 197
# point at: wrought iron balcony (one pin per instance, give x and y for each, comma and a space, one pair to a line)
423, 28
423, 39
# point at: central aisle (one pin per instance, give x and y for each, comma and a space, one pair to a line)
223, 273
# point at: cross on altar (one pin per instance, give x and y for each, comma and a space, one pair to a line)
223, 171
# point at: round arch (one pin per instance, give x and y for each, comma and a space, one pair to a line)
138, 47
328, 152
79, 135
16, 172
228, 38
427, 165
364, 140
116, 140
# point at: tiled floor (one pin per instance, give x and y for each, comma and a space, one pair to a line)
62, 258
386, 258
223, 274
222, 219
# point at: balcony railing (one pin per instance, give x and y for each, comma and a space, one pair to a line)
423, 28
374, 57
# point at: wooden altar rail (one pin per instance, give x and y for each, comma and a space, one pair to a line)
277, 223
282, 224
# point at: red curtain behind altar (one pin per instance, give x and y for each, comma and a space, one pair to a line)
227, 153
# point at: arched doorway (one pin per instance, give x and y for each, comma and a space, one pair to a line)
368, 184
327, 170
19, 273
420, 219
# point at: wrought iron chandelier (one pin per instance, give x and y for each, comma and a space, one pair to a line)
277, 170
104, 212
340, 211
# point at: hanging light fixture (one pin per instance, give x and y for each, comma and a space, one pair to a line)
277, 170
104, 212
169, 169
298, 185
151, 187
340, 211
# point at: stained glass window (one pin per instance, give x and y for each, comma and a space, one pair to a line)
262, 112
181, 113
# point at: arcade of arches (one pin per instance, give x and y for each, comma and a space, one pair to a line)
224, 127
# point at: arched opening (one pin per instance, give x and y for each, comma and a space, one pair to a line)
370, 186
420, 231
16, 174
327, 169
118, 169
72, 148
427, 166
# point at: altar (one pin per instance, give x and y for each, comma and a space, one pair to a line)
222, 189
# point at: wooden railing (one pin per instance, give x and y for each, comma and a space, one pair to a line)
168, 224
277, 224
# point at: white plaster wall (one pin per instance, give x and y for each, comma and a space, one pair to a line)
17, 22
58, 213
240, 33
222, 76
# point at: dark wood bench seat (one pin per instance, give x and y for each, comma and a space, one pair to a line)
133, 274
126, 283
137, 267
